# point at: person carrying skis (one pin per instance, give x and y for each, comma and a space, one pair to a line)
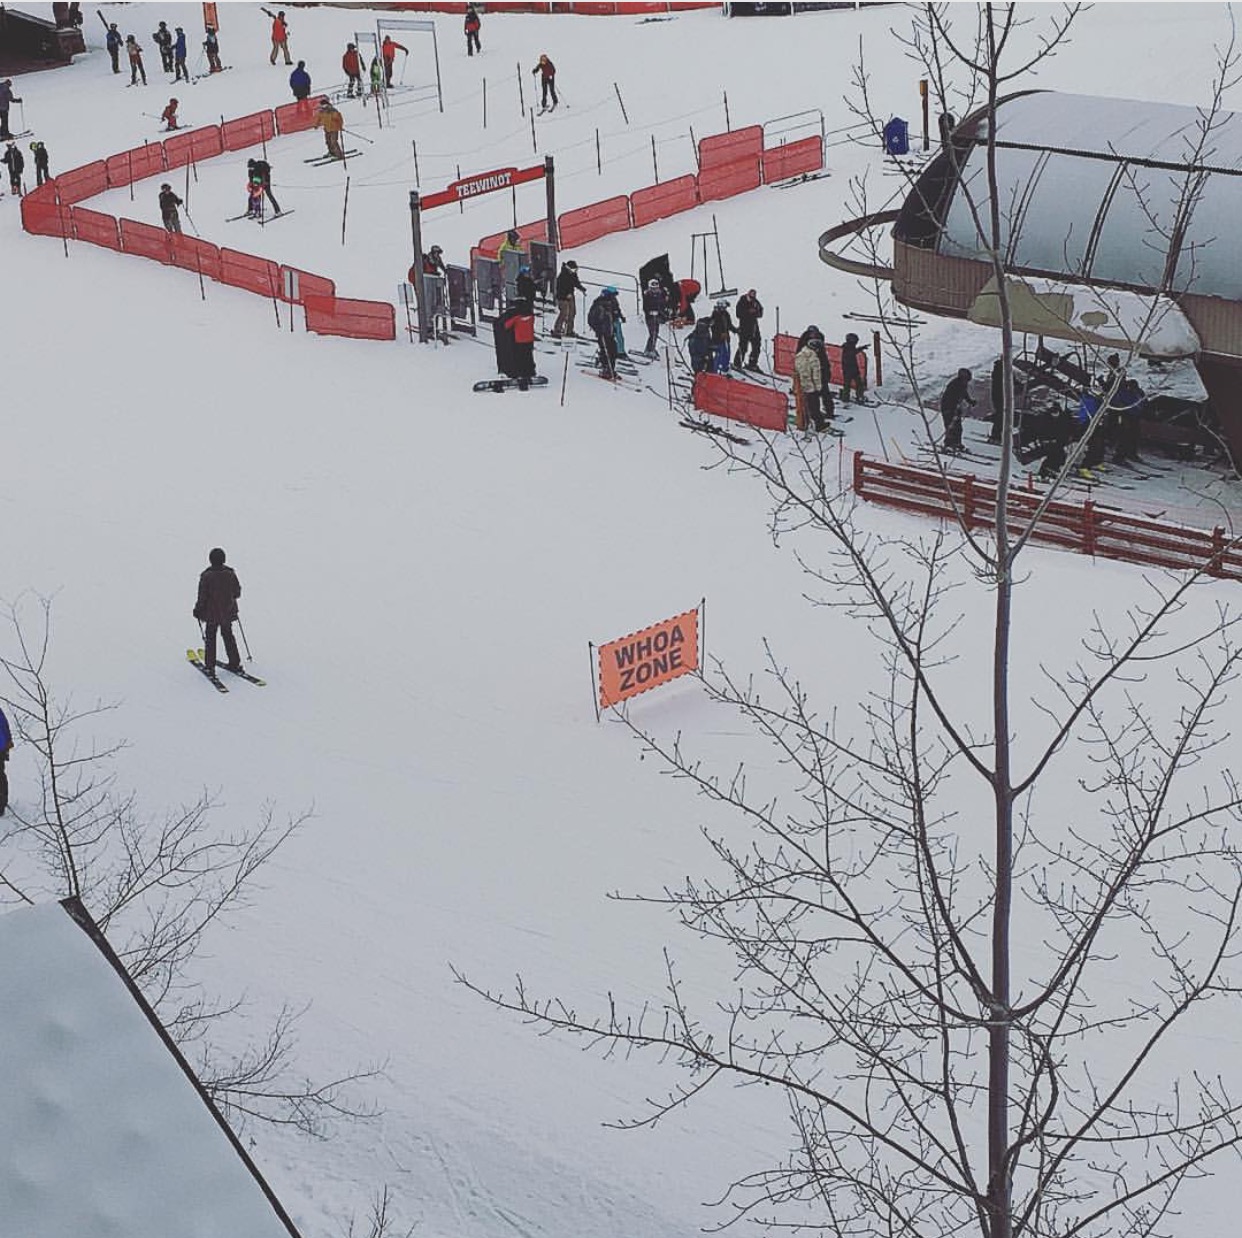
331, 122
168, 209
388, 50
7, 99
567, 284
135, 61
851, 374
473, 25
169, 115
300, 82
602, 319
113, 42
280, 35
211, 45
813, 373
655, 307
261, 170
180, 72
216, 609
164, 41
351, 62
40, 157
15, 161
547, 80
749, 310
722, 328
6, 746
953, 405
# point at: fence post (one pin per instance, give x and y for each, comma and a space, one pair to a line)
968, 501
879, 360
1216, 566
858, 472
1088, 527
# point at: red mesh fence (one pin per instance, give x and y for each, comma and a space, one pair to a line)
358, 320
248, 130
192, 147
296, 117
784, 347
589, 223
257, 275
41, 215
793, 159
194, 255
489, 246
135, 165
304, 285
723, 180
95, 227
660, 201
723, 148
144, 240
81, 183
739, 401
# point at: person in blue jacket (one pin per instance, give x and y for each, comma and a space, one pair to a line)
6, 746
114, 43
300, 81
1088, 406
178, 51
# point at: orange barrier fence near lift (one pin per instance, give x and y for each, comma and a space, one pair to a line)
359, 320
741, 401
589, 223
95, 228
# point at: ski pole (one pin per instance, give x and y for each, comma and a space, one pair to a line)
190, 220
21, 103
352, 134
242, 630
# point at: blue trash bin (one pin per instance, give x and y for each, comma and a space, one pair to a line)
897, 137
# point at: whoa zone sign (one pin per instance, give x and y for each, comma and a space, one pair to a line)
646, 659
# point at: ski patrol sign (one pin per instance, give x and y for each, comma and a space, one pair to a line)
646, 659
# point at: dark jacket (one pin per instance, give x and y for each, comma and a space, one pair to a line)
40, 155
263, 170
698, 344
218, 591
472, 22
748, 310
113, 40
955, 394
525, 288
567, 283
849, 360
722, 326
655, 302
16, 161
168, 201
603, 315
162, 38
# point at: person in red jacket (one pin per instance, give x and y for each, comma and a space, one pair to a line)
473, 25
388, 50
169, 115
351, 62
547, 79
280, 35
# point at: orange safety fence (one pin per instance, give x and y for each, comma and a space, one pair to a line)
741, 401
95, 228
135, 165
78, 184
646, 659
725, 148
195, 255
723, 180
358, 320
793, 159
297, 117
257, 275
785, 346
248, 130
193, 147
489, 246
589, 223
660, 201
43, 216
144, 240
296, 285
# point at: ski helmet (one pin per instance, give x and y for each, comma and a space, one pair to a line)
523, 270
722, 305
571, 264
165, 185
964, 373
216, 557
610, 291
851, 338
435, 249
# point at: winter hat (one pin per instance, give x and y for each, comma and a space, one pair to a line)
571, 264
216, 557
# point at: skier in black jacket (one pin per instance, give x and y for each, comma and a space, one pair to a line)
603, 318
163, 39
524, 285
953, 406
567, 284
722, 328
168, 208
851, 375
15, 161
655, 311
216, 609
749, 310
41, 162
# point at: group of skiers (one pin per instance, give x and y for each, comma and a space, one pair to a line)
172, 47
15, 161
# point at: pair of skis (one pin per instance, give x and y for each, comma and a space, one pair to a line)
197, 658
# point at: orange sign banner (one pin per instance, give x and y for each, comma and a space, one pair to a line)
648, 658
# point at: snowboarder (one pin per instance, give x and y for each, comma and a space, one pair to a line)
851, 374
655, 310
168, 209
547, 80
602, 319
216, 609
749, 310
722, 328
300, 82
6, 746
331, 122
261, 170
699, 346
953, 405
7, 99
136, 69
567, 284
211, 45
515, 343
15, 161
813, 372
473, 24
351, 62
41, 162
163, 39
388, 50
169, 115
180, 72
280, 35
113, 42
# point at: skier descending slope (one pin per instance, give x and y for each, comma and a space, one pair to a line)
216, 609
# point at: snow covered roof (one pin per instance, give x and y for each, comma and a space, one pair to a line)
1092, 188
104, 1130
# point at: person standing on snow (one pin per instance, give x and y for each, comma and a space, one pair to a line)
40, 157
216, 609
211, 45
169, 115
261, 170
331, 122
602, 319
377, 78
813, 371
655, 307
567, 284
164, 41
524, 286
180, 72
6, 746
388, 50
851, 372
351, 62
135, 61
280, 35
7, 99
722, 328
473, 24
15, 161
953, 405
114, 42
168, 209
300, 82
749, 310
547, 80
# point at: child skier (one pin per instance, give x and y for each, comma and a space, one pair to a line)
136, 69
254, 197
169, 115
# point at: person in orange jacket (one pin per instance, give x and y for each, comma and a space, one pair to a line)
351, 62
389, 49
280, 35
547, 71
169, 115
331, 122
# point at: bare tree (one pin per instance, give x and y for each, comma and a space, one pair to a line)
926, 915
